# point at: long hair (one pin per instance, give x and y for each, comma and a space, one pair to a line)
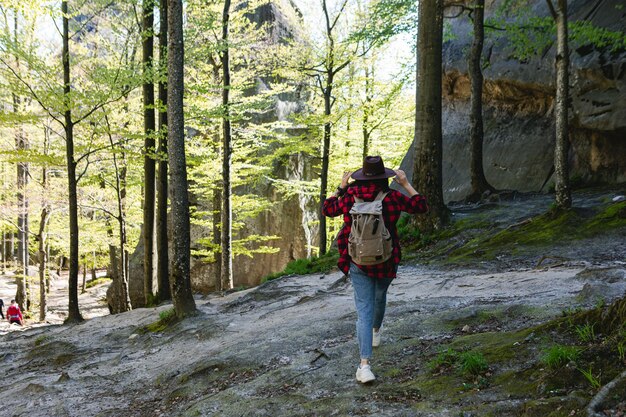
382, 183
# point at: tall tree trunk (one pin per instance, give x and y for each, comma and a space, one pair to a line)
123, 302
94, 274
163, 278
121, 186
84, 285
5, 247
11, 246
427, 170
43, 262
325, 158
477, 173
182, 297
73, 311
149, 125
21, 144
217, 238
226, 270
367, 108
114, 273
561, 152
331, 68
44, 278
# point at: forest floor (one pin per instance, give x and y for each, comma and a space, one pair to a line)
467, 333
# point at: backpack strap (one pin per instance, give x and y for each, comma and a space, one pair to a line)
381, 195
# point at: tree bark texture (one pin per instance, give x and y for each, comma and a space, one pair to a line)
427, 170
367, 109
149, 124
73, 310
123, 303
477, 174
163, 278
6, 256
561, 151
182, 297
226, 270
84, 285
325, 158
43, 263
21, 144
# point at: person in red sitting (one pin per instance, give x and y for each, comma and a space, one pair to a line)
370, 282
14, 314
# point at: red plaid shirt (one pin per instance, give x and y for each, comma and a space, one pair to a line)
394, 203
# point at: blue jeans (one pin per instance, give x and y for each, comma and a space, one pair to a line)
370, 298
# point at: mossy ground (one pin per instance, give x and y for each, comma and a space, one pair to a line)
323, 264
483, 236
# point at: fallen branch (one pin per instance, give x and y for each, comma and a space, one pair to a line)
601, 396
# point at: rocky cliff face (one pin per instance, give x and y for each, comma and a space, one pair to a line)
291, 218
519, 102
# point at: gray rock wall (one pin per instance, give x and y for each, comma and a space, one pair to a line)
518, 110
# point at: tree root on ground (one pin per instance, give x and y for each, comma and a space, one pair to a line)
601, 396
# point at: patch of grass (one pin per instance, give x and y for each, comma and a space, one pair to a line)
166, 319
585, 333
324, 263
473, 363
558, 356
590, 377
97, 281
445, 359
612, 216
393, 372
40, 340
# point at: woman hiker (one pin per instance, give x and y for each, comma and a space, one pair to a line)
372, 276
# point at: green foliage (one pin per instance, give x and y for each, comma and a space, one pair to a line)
166, 319
621, 349
593, 380
323, 264
98, 281
558, 356
530, 35
553, 227
445, 359
167, 315
42, 339
473, 363
585, 332
386, 19
468, 363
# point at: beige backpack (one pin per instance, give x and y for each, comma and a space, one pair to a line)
369, 241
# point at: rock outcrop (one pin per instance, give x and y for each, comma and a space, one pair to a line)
519, 102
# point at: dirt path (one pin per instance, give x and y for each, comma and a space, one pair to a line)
285, 348
91, 303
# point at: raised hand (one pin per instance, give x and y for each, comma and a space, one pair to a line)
401, 178
345, 178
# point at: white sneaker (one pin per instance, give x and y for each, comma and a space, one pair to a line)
376, 337
364, 374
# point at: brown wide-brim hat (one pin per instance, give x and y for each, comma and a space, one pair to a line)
373, 169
